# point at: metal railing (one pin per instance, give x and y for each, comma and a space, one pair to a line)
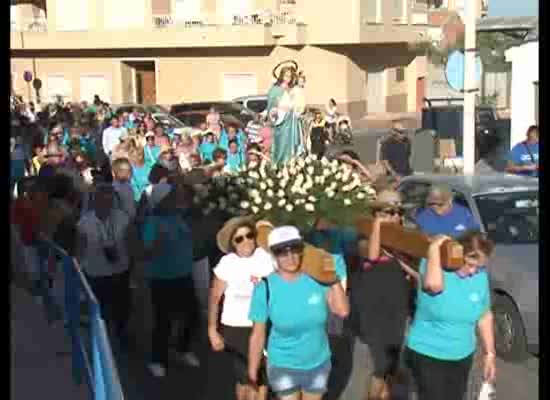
161, 21
101, 374
30, 25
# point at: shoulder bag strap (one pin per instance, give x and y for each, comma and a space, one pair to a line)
529, 151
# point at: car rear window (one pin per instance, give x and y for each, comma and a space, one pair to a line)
257, 105
510, 218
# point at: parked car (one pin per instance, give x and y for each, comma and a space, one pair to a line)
258, 104
230, 113
255, 103
506, 207
142, 108
159, 113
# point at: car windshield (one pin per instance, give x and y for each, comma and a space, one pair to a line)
231, 108
156, 109
168, 120
510, 218
484, 116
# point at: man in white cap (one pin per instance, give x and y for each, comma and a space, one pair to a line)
169, 262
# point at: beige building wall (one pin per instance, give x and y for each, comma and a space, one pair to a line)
72, 69
338, 72
198, 75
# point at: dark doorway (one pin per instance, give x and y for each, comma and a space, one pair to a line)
144, 91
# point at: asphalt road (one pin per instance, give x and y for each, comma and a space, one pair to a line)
212, 380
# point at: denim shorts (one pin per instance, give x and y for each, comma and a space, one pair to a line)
285, 381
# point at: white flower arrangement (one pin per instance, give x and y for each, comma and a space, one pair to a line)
296, 193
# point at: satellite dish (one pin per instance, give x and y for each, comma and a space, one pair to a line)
454, 70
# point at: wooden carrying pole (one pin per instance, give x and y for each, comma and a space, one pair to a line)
411, 242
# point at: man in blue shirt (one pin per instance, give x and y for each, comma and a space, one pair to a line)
524, 156
443, 216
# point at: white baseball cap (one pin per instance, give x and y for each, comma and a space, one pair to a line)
284, 236
159, 193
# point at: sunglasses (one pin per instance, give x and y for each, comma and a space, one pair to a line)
474, 256
281, 251
393, 211
239, 239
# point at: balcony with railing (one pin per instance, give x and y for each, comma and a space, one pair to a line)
266, 26
163, 21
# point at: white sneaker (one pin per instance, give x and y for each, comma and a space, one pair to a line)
189, 358
157, 370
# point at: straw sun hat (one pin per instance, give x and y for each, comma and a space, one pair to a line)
224, 235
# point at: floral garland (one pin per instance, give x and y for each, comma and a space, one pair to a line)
298, 193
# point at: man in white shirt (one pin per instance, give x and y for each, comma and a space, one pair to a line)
111, 136
104, 253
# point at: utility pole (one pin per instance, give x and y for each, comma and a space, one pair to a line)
468, 144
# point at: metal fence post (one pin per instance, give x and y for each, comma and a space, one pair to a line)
95, 327
72, 309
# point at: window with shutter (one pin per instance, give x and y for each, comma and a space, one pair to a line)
374, 11
399, 10
90, 85
72, 15
119, 16
187, 10
400, 74
57, 85
239, 85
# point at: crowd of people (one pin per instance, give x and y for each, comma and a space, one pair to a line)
116, 192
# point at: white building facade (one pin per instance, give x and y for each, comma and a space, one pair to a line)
525, 79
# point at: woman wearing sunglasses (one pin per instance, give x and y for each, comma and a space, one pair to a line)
234, 278
451, 304
380, 297
296, 306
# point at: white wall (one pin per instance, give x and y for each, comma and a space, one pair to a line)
71, 15
525, 71
117, 14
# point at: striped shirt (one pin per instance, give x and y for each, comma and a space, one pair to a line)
253, 130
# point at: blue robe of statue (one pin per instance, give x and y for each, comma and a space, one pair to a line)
287, 138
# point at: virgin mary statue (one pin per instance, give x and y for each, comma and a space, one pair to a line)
287, 137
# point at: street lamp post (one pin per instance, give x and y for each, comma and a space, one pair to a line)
470, 83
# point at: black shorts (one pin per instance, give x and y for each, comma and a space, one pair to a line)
236, 344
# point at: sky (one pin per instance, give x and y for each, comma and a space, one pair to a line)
513, 8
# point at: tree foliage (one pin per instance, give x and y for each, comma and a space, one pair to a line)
491, 47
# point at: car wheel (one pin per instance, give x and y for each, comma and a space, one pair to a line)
510, 339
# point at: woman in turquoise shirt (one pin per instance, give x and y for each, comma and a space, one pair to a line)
297, 306
140, 172
451, 304
235, 159
207, 147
